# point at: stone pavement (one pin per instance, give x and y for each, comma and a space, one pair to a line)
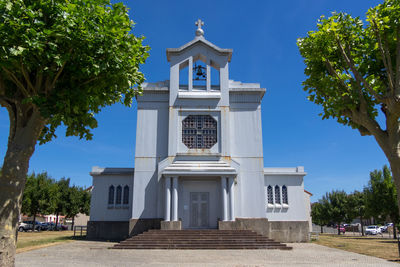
89, 253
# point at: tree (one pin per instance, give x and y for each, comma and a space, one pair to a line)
85, 202
79, 202
61, 61
381, 196
38, 195
335, 203
63, 199
357, 202
353, 72
319, 214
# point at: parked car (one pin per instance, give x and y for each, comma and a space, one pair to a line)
52, 226
342, 229
28, 225
373, 230
383, 228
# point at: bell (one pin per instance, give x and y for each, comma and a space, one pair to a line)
199, 71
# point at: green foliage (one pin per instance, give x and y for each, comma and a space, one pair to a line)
39, 195
68, 58
44, 195
381, 195
63, 196
351, 67
319, 214
336, 203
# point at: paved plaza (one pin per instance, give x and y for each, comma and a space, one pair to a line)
88, 253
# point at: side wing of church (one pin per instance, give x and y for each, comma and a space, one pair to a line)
199, 159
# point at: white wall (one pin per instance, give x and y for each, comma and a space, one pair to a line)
296, 210
246, 149
151, 148
99, 208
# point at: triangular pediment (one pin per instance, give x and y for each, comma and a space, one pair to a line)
194, 42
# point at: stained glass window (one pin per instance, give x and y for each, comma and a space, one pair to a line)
270, 195
119, 195
111, 195
277, 195
126, 195
199, 131
284, 195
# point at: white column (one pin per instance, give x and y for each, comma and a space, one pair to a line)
167, 198
231, 198
175, 198
224, 200
190, 78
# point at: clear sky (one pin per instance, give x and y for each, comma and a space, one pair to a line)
263, 37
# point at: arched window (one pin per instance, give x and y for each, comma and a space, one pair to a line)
126, 195
284, 195
277, 195
270, 196
119, 195
111, 195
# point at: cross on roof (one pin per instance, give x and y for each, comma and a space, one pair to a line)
199, 31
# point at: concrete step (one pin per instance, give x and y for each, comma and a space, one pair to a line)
199, 239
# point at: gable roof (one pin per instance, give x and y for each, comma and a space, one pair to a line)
199, 39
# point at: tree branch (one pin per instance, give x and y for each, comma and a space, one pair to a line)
384, 58
27, 79
357, 75
58, 75
397, 85
333, 72
17, 82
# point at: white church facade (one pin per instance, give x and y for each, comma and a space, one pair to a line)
199, 159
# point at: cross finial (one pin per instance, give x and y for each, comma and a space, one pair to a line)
199, 31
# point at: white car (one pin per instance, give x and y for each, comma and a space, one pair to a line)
372, 230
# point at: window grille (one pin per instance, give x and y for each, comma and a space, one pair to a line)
111, 195
284, 195
199, 131
270, 195
126, 195
119, 195
277, 195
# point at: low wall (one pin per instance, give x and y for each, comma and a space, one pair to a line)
107, 230
138, 226
289, 231
281, 231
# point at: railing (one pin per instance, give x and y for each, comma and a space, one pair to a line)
80, 228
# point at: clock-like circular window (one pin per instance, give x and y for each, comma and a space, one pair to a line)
199, 131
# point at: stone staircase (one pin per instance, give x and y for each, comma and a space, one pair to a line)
200, 239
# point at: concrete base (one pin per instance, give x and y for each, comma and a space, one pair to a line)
281, 231
107, 230
288, 231
138, 226
171, 225
259, 225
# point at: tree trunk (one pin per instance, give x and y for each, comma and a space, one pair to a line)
338, 229
362, 226
73, 222
322, 229
34, 222
24, 133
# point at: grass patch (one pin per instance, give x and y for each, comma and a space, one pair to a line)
372, 246
31, 240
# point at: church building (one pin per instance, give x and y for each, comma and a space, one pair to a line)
199, 159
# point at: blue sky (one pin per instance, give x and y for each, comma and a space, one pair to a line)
263, 37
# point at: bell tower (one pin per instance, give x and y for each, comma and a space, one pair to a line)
199, 86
